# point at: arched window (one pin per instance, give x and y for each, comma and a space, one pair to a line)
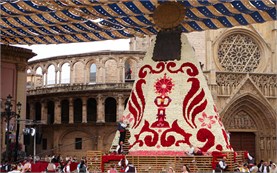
39, 77
130, 69
92, 73
30, 83
78, 111
110, 110
50, 112
65, 73
51, 75
29, 71
91, 110
78, 71
65, 111
38, 111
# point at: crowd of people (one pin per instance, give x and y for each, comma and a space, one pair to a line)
55, 164
249, 166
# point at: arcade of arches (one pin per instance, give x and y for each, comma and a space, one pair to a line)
80, 97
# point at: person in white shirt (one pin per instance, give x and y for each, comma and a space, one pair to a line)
222, 164
66, 168
273, 168
191, 150
265, 168
121, 127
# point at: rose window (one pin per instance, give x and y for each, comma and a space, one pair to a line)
239, 53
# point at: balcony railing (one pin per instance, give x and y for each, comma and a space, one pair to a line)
226, 84
79, 87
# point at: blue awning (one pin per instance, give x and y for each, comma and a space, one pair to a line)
56, 21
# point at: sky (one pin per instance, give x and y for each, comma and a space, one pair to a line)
46, 51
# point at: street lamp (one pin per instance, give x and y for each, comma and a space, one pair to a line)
9, 114
18, 105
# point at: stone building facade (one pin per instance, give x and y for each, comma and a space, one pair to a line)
12, 82
80, 97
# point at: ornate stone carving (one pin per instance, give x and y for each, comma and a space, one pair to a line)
229, 79
239, 53
267, 83
242, 121
262, 143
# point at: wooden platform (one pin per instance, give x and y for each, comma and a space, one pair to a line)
94, 160
157, 164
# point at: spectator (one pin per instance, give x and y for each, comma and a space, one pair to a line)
194, 150
260, 164
26, 167
170, 170
123, 164
244, 168
254, 168
222, 165
273, 168
51, 167
66, 168
131, 168
265, 168
81, 167
112, 169
185, 169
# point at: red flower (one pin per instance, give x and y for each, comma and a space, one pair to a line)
206, 120
164, 85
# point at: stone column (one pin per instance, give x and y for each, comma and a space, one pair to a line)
45, 77
33, 81
56, 76
60, 77
44, 112
71, 76
57, 116
100, 109
71, 111
120, 106
98, 74
84, 110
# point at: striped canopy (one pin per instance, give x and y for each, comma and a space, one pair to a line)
69, 21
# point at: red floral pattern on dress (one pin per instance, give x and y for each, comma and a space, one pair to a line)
226, 139
134, 107
170, 140
192, 99
192, 70
164, 85
205, 135
206, 120
128, 118
148, 140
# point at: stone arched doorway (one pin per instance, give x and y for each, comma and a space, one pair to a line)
75, 143
251, 121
